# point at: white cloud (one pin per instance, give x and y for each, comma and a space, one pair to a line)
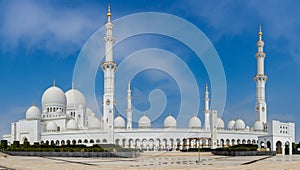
231, 18
42, 25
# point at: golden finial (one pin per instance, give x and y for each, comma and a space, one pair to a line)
108, 11
54, 83
129, 84
73, 87
170, 114
260, 30
33, 104
206, 87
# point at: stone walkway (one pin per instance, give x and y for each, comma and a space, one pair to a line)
153, 160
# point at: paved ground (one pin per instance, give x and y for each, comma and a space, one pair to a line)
152, 160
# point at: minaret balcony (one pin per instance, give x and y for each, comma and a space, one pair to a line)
260, 55
109, 38
108, 65
259, 77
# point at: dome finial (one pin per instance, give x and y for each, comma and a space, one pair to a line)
206, 87
33, 104
54, 83
260, 32
108, 13
73, 87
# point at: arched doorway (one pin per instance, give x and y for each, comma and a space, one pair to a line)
262, 144
151, 144
25, 140
130, 143
117, 141
172, 145
269, 145
185, 144
278, 147
178, 143
222, 142
144, 144
137, 144
123, 143
232, 142
287, 148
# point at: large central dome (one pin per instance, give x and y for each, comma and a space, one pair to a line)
54, 95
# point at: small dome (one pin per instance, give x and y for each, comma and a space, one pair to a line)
247, 128
75, 99
72, 125
144, 122
170, 122
119, 122
54, 95
51, 126
258, 126
239, 125
231, 124
33, 112
88, 112
195, 123
93, 122
220, 123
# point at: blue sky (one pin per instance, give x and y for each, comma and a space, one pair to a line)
40, 42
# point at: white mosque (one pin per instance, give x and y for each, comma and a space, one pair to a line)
65, 119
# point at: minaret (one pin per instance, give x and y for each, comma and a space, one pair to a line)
109, 68
206, 109
129, 108
260, 78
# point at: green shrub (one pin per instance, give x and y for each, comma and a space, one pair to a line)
36, 147
3, 144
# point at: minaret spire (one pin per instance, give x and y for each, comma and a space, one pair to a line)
108, 13
260, 33
129, 108
260, 79
109, 67
206, 109
109, 40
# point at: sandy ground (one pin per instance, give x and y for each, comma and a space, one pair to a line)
152, 160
